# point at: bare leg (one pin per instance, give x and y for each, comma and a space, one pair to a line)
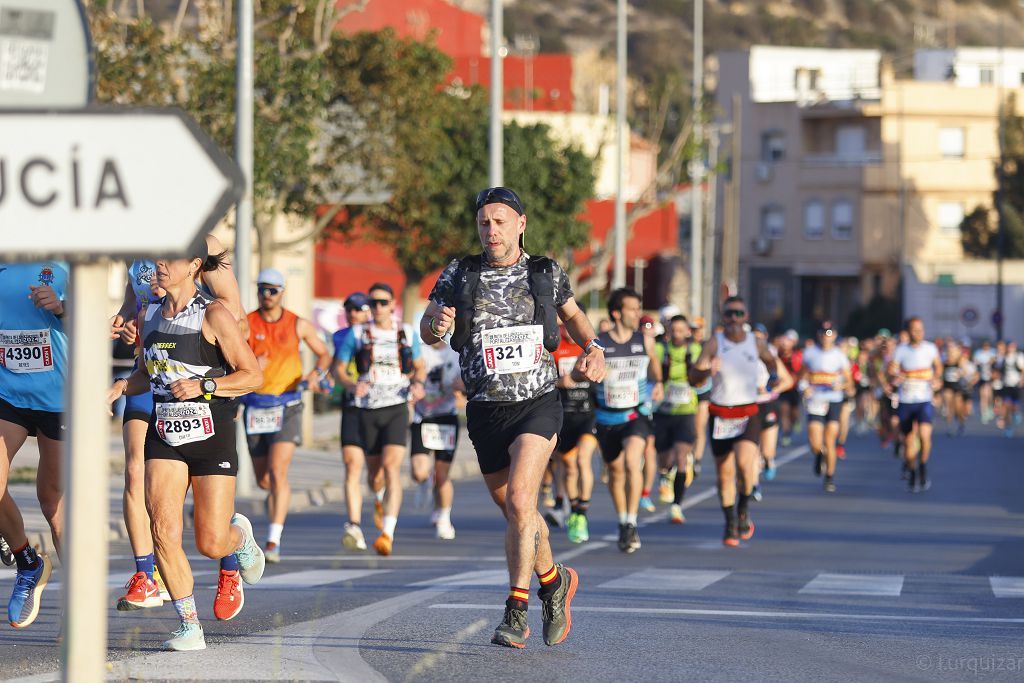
50, 488
133, 502
354, 459
12, 437
391, 464
166, 486
279, 461
831, 432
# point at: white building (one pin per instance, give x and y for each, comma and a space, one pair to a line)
971, 66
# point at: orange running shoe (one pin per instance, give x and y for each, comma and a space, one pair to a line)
746, 528
383, 544
378, 514
841, 451
731, 538
142, 593
230, 597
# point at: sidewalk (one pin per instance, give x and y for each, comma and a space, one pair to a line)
316, 474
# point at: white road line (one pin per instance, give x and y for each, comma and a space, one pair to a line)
698, 498
667, 580
585, 548
362, 556
807, 616
854, 584
1007, 586
313, 578
477, 578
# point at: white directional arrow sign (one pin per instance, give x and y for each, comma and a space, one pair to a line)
115, 182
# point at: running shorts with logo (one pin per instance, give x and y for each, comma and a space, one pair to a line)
909, 413
494, 425
438, 435
769, 414
216, 454
271, 419
729, 426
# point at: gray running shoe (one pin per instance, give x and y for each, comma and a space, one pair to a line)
251, 561
555, 610
513, 630
633, 538
188, 637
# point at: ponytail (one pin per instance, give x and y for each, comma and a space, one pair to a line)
216, 261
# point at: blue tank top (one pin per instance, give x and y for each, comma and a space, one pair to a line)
624, 394
140, 276
33, 345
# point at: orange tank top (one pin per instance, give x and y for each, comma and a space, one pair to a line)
279, 342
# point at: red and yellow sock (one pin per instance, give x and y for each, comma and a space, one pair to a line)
519, 594
549, 580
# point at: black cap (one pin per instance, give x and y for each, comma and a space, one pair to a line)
500, 195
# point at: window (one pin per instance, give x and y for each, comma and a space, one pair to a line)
951, 143
814, 220
773, 222
850, 141
842, 219
987, 75
773, 146
950, 216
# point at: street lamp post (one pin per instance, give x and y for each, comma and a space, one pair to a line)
621, 144
497, 142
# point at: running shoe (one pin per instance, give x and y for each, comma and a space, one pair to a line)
830, 486
272, 551
786, 440
632, 538
548, 498
142, 593
189, 636
434, 516
841, 451
230, 595
745, 527
756, 493
675, 514
646, 504
353, 538
555, 518
912, 481
665, 487
513, 630
251, 561
555, 610
731, 537
378, 514
164, 595
6, 554
817, 464
383, 544
925, 485
23, 607
623, 538
769, 473
445, 531
577, 528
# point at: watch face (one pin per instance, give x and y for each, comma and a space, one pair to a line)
209, 386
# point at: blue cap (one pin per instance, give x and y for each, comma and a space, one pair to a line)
759, 327
270, 276
357, 301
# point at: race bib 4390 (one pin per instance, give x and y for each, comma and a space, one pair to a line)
26, 350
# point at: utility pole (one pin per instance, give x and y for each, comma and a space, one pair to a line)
621, 143
731, 227
496, 146
711, 228
244, 213
697, 166
1000, 194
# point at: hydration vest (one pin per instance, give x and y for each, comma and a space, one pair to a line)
542, 289
364, 356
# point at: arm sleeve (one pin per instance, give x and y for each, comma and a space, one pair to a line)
443, 293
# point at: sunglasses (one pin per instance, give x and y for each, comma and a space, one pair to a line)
500, 195
733, 313
380, 302
269, 291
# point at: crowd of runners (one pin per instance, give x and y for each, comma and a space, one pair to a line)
503, 341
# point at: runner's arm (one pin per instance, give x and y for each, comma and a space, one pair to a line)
654, 370
125, 313
701, 368
786, 381
221, 327
577, 324
222, 283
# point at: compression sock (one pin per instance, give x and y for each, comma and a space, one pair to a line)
26, 557
145, 564
549, 581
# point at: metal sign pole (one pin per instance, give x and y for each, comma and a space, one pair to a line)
86, 463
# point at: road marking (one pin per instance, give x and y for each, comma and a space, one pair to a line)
367, 556
666, 579
313, 578
486, 577
707, 493
585, 548
1007, 586
854, 584
433, 659
807, 616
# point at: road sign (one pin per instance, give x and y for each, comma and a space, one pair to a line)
45, 54
969, 316
122, 183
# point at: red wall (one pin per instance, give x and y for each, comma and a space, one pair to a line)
458, 33
551, 79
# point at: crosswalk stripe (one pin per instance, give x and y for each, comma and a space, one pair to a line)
1007, 586
478, 578
313, 578
854, 584
666, 580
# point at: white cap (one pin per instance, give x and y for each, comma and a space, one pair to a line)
667, 311
793, 335
270, 276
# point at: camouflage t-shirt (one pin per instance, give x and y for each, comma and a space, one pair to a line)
502, 300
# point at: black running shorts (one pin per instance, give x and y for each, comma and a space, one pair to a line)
670, 430
493, 426
769, 413
352, 427
612, 438
416, 431
384, 427
751, 431
51, 425
215, 455
574, 427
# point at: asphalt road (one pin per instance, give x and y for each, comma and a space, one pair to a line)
870, 583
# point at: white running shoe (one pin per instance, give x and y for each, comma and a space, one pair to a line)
189, 636
353, 538
445, 531
434, 516
251, 560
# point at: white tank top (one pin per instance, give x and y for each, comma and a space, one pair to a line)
736, 382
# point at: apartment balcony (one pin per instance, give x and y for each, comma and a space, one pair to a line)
841, 160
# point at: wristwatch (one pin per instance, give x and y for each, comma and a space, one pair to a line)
593, 343
209, 387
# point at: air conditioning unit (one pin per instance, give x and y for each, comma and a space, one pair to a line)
764, 171
762, 246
